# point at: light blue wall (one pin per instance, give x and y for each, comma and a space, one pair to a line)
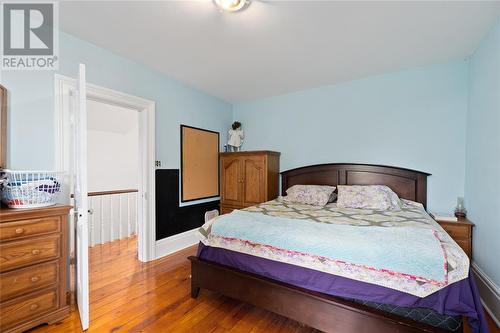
482, 182
413, 119
31, 103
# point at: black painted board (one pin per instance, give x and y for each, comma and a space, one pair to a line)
170, 218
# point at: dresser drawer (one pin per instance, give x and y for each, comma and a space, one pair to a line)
465, 245
20, 253
33, 227
25, 280
27, 307
457, 231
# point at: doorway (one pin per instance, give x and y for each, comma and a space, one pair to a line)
71, 98
113, 172
65, 88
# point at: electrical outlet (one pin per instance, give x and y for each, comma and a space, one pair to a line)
158, 163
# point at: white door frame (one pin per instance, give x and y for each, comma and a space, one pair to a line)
63, 90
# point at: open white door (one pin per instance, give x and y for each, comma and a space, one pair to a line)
80, 198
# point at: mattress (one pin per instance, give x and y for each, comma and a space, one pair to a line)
404, 249
441, 307
421, 315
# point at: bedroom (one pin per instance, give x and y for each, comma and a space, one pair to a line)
353, 86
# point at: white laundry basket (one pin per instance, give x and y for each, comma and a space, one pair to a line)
31, 189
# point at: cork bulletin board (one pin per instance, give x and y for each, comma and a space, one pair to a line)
199, 163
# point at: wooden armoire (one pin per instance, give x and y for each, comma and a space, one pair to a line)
248, 178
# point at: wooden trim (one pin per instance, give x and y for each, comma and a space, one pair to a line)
356, 164
250, 152
16, 214
3, 127
461, 221
408, 184
99, 193
321, 311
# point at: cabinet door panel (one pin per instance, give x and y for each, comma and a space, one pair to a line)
254, 189
231, 181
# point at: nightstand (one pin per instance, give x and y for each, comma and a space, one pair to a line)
461, 232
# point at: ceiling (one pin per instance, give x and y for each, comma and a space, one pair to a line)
275, 47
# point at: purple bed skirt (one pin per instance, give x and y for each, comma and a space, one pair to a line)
458, 299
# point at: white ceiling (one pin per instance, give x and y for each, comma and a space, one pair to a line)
275, 47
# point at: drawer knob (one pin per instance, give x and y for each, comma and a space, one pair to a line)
33, 307
19, 231
35, 252
35, 278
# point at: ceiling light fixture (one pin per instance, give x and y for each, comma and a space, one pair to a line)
232, 5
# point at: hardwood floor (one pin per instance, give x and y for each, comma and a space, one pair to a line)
129, 296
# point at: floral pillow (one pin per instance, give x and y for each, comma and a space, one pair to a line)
317, 195
379, 197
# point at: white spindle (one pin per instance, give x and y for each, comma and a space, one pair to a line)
128, 214
101, 214
136, 211
120, 216
111, 218
99, 218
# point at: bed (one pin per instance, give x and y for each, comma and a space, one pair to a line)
333, 297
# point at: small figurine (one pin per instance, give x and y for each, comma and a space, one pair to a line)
236, 136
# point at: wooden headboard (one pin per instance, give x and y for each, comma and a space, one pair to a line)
408, 184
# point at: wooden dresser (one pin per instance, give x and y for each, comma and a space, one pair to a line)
461, 232
33, 266
248, 178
